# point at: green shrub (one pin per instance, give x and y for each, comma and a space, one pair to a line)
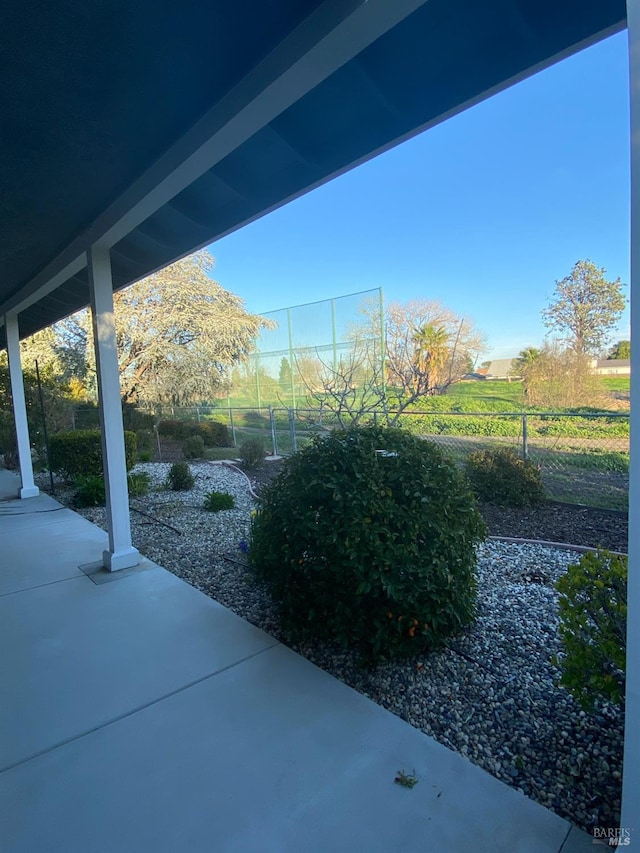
252, 452
180, 478
145, 456
373, 549
501, 477
193, 447
79, 453
593, 623
214, 434
216, 501
178, 430
138, 483
90, 491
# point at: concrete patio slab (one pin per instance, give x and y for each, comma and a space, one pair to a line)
80, 655
271, 754
9, 485
25, 563
139, 715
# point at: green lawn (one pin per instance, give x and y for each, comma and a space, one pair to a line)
487, 391
616, 383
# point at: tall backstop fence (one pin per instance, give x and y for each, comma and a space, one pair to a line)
305, 345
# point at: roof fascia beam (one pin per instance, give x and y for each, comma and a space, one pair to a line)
331, 36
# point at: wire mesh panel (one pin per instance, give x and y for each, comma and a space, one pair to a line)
298, 354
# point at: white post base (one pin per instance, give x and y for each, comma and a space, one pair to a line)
29, 492
125, 559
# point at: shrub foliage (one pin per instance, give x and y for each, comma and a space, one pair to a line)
180, 478
501, 477
217, 501
593, 623
373, 549
79, 453
213, 433
252, 452
89, 491
193, 447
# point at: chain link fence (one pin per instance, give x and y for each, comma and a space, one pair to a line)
583, 458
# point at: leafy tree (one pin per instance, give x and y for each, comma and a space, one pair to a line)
178, 334
621, 350
522, 364
284, 377
558, 377
427, 347
585, 308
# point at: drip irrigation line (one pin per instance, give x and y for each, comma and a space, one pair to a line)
156, 520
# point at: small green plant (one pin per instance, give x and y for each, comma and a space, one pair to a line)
89, 491
500, 476
367, 537
252, 452
138, 484
193, 447
407, 780
217, 501
593, 624
145, 456
180, 478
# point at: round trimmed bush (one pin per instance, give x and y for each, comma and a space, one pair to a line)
368, 537
193, 447
180, 478
500, 476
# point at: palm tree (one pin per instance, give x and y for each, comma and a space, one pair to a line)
430, 355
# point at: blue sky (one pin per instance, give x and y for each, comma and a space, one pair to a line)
483, 212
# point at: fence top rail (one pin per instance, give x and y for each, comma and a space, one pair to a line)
481, 414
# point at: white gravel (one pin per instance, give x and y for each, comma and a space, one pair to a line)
491, 695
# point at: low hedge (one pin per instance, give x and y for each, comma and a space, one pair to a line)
213, 433
79, 453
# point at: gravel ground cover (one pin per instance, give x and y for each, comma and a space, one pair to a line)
491, 694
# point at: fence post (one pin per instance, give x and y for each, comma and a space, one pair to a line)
525, 438
274, 437
233, 427
198, 413
292, 430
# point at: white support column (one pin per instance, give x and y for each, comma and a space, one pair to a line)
631, 768
121, 554
29, 489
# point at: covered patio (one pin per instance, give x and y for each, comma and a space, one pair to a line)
138, 714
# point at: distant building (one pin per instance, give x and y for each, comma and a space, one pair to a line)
612, 366
499, 368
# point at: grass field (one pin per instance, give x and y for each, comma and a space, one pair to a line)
617, 383
487, 391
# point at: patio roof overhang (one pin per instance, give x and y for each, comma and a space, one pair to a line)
155, 128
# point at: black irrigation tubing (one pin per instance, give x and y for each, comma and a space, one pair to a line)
157, 520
